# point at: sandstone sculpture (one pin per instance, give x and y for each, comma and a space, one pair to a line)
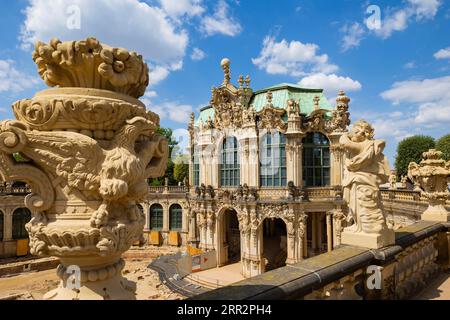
366, 168
432, 174
89, 146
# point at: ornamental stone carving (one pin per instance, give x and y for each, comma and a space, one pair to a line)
340, 117
366, 168
432, 174
89, 147
230, 102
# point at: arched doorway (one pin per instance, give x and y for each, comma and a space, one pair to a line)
229, 238
21, 217
274, 243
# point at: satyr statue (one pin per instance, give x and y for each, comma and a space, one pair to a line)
366, 168
89, 146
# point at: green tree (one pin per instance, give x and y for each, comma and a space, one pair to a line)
180, 171
443, 144
166, 132
411, 149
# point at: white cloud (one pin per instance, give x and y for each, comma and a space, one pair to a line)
149, 94
433, 113
331, 83
172, 111
397, 20
221, 22
419, 91
178, 8
425, 9
353, 34
430, 100
157, 74
392, 20
443, 54
12, 80
197, 54
130, 24
293, 58
410, 65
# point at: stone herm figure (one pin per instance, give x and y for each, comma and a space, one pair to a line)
366, 168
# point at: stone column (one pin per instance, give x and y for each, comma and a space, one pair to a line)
8, 224
253, 160
314, 232
146, 207
329, 231
319, 231
166, 206
294, 159
192, 227
337, 159
301, 236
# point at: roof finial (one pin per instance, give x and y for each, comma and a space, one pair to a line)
241, 81
247, 81
316, 102
342, 100
225, 64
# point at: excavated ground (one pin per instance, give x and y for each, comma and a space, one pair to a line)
33, 285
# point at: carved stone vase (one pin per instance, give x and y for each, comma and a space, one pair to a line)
432, 174
88, 145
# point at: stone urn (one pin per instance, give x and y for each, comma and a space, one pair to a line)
432, 174
88, 147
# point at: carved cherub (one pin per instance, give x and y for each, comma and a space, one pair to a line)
367, 168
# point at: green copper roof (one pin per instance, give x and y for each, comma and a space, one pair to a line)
205, 113
281, 93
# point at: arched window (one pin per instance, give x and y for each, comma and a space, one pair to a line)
229, 167
1, 226
196, 166
156, 217
175, 217
21, 217
316, 160
273, 160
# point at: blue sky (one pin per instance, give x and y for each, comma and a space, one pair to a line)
396, 69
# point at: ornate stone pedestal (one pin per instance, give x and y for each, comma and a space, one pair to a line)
432, 175
89, 146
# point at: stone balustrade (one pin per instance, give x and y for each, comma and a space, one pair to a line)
14, 191
394, 272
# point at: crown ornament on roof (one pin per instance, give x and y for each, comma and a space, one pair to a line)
91, 64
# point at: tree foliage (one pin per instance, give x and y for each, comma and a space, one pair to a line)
411, 149
167, 133
181, 171
443, 144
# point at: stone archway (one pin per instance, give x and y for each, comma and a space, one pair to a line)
228, 237
274, 246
